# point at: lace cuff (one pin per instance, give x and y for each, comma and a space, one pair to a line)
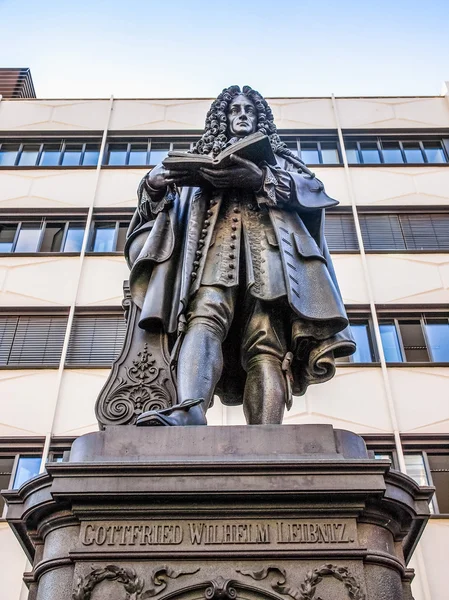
157, 200
275, 188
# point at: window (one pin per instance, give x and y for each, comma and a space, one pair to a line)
423, 338
109, 236
66, 153
323, 151
30, 341
27, 468
20, 461
426, 462
15, 470
385, 150
45, 235
439, 471
412, 231
340, 232
361, 331
96, 340
143, 152
431, 468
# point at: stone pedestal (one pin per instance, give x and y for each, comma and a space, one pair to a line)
273, 512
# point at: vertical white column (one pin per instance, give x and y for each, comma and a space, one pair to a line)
371, 299
421, 569
68, 330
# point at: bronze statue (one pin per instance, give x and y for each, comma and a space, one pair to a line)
233, 265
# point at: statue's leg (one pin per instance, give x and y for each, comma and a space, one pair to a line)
263, 351
200, 361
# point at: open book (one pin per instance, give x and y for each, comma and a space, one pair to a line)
255, 147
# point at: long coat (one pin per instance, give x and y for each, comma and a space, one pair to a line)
177, 243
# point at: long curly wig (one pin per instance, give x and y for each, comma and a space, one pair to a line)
215, 136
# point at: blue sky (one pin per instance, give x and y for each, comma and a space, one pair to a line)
194, 48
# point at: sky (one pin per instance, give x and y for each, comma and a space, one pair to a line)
194, 48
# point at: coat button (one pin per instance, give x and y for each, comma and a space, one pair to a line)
231, 265
232, 246
232, 256
209, 213
199, 253
235, 219
200, 244
204, 232
230, 276
196, 263
206, 223
236, 210
233, 236
194, 275
234, 228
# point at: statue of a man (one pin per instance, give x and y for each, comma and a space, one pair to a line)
237, 274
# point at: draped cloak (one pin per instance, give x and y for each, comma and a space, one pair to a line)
172, 248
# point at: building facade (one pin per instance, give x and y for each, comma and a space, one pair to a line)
69, 170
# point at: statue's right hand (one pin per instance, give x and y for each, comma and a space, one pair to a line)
159, 178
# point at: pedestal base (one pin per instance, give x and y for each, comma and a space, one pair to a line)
275, 512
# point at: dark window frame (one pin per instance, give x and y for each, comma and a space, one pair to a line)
41, 223
63, 142
385, 317
404, 232
103, 218
379, 140
149, 140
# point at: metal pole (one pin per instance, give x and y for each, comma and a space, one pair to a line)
68, 330
367, 280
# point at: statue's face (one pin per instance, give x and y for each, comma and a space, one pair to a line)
242, 116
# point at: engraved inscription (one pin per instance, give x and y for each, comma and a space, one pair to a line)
203, 534
233, 533
312, 533
130, 535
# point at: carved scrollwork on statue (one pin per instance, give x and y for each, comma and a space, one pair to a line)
141, 378
159, 578
220, 589
307, 589
146, 387
132, 584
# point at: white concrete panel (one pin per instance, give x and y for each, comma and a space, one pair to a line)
75, 413
53, 115
36, 188
435, 547
409, 278
154, 115
37, 281
334, 180
372, 113
401, 186
118, 187
421, 396
348, 268
26, 401
13, 564
159, 115
354, 399
303, 113
102, 281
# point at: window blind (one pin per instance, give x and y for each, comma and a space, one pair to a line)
33, 341
95, 340
340, 232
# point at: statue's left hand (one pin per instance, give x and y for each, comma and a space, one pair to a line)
242, 174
